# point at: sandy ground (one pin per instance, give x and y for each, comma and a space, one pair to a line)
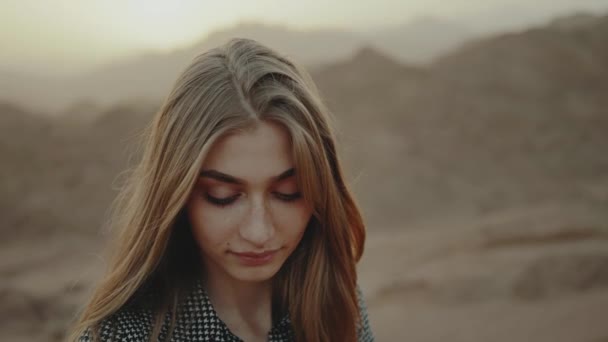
534, 275
539, 274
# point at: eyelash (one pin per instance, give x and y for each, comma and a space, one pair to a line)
222, 202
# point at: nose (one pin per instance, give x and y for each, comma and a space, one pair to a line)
257, 228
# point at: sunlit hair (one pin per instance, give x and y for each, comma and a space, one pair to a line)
224, 90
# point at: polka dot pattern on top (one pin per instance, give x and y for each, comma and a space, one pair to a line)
197, 321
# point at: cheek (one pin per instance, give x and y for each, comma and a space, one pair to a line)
292, 219
211, 226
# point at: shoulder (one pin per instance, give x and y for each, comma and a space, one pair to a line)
126, 325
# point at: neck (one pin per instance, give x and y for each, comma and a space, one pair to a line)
240, 304
246, 297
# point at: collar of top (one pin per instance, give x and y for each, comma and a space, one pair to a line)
201, 313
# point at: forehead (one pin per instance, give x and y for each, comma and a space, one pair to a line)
254, 155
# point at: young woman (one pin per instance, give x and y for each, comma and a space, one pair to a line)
237, 224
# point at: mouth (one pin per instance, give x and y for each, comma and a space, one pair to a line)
255, 258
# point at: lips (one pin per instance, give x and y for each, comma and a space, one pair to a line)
254, 254
255, 258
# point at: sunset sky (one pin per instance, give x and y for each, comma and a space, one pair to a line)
78, 34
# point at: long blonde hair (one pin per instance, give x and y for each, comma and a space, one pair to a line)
225, 89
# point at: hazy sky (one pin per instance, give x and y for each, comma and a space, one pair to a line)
76, 34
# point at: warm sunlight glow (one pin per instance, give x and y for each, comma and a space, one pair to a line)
70, 36
162, 23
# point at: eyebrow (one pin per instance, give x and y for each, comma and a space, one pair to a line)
226, 178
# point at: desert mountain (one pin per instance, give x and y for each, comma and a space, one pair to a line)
420, 41
512, 119
508, 120
149, 76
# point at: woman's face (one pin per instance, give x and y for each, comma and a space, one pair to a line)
246, 211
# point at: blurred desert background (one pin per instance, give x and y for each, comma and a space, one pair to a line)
474, 134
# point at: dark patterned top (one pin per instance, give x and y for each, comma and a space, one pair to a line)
198, 322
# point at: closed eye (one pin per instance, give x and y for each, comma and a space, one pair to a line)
222, 202
288, 197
